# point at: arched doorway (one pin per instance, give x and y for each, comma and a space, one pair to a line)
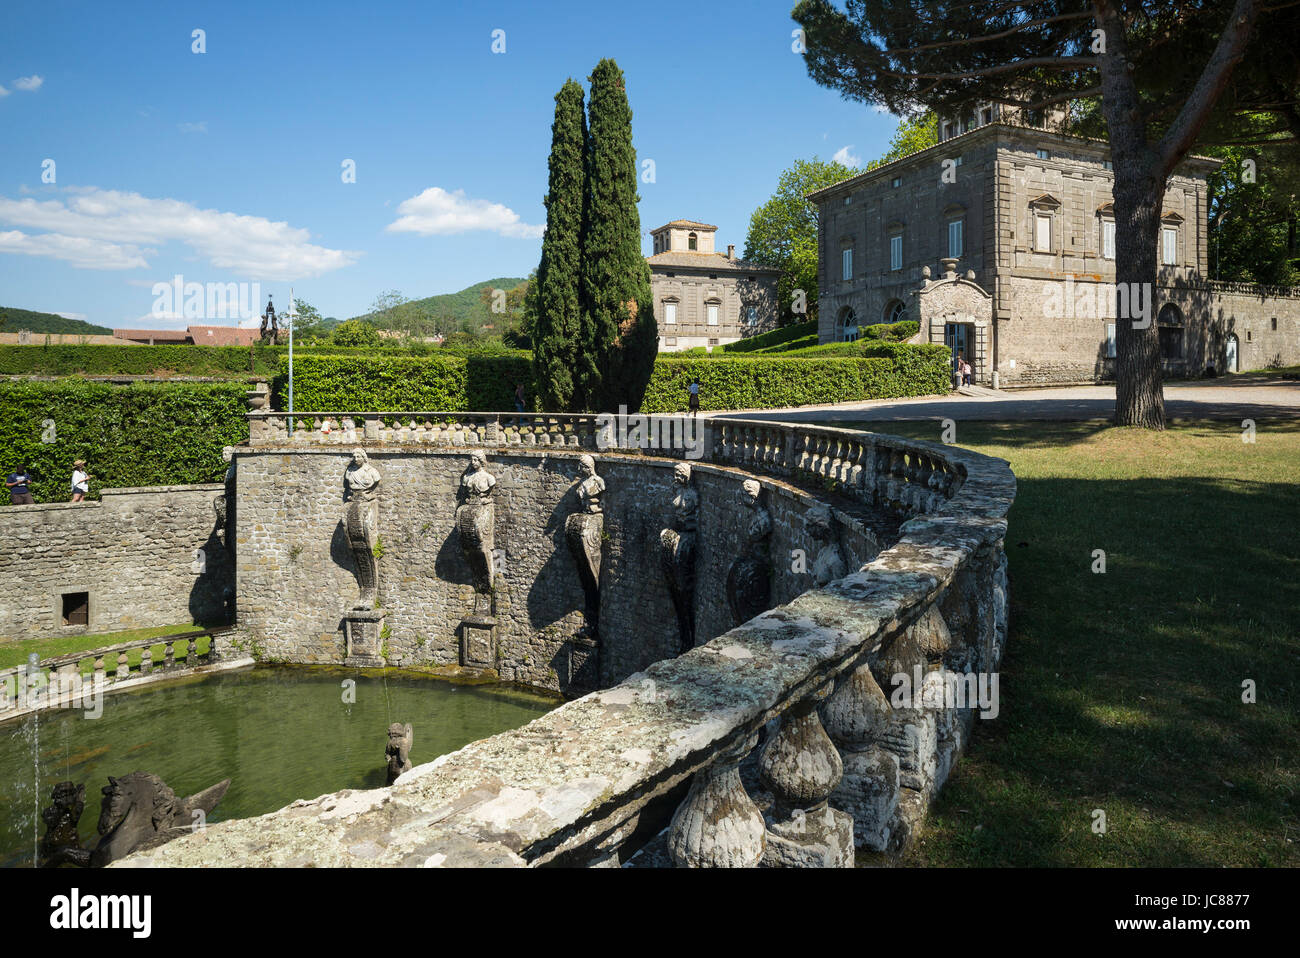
847, 324
1230, 354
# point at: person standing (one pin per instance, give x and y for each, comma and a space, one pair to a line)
693, 404
80, 481
19, 486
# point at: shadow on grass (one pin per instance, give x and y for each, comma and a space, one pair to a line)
1122, 691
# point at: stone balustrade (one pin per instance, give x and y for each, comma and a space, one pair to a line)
661, 769
62, 681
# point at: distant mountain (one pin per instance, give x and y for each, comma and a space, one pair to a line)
16, 319
446, 312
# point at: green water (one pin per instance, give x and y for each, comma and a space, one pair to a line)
279, 733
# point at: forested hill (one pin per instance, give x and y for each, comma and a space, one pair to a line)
13, 319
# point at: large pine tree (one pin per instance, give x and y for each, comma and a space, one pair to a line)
558, 321
619, 334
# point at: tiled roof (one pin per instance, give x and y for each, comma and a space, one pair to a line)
697, 260
684, 224
224, 335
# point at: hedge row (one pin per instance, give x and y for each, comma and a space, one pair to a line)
773, 338
371, 383
218, 361
146, 434
777, 381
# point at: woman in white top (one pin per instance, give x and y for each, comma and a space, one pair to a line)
80, 481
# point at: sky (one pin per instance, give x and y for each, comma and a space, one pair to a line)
129, 158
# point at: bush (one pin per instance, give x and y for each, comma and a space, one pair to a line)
766, 382
893, 332
224, 361
773, 338
146, 434
436, 383
355, 332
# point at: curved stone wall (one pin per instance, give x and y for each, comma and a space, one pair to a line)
841, 766
296, 575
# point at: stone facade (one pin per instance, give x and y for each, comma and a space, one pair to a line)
703, 297
296, 580
135, 554
1029, 212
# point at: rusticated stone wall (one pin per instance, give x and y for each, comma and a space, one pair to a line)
135, 553
296, 577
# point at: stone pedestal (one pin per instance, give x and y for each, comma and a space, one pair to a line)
478, 642
362, 629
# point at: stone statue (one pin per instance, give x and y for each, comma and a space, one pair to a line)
475, 522
749, 580
677, 553
828, 565
139, 812
584, 530
398, 751
61, 842
361, 522
270, 326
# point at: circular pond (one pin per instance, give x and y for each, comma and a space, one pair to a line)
279, 733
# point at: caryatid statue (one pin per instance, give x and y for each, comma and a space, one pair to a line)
584, 530
361, 522
828, 565
749, 580
677, 552
475, 522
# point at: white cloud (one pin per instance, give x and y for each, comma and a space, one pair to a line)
842, 155
3, 91
31, 84
110, 229
70, 315
200, 127
435, 211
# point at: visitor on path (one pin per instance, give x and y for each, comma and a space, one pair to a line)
965, 372
957, 371
694, 402
19, 486
519, 397
80, 481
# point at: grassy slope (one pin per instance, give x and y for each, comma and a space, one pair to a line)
1122, 691
16, 319
16, 653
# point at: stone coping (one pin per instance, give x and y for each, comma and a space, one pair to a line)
108, 494
557, 789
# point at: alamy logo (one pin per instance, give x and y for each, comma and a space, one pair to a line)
1071, 300
179, 299
649, 432
74, 911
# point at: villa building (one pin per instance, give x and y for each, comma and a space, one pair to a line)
1020, 223
703, 297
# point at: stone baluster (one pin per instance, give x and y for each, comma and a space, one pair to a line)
718, 826
857, 715
801, 767
123, 666
146, 660
5, 701
98, 675
213, 655
169, 655
192, 652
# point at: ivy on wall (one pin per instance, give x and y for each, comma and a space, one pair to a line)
145, 434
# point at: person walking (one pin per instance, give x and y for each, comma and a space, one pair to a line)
965, 371
80, 481
693, 404
19, 486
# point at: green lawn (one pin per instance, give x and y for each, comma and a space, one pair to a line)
1122, 691
15, 653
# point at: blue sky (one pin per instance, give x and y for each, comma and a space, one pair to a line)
226, 166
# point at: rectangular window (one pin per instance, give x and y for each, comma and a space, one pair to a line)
1044, 155
986, 115
954, 238
896, 182
1043, 233
1107, 165
1108, 239
847, 263
1169, 246
1110, 340
713, 314
76, 608
751, 315
670, 313
896, 251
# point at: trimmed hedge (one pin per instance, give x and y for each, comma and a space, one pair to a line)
769, 382
772, 338
219, 361
145, 434
371, 383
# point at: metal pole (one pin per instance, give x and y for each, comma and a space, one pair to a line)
292, 315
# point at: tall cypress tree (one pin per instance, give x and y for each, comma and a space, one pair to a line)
619, 334
558, 323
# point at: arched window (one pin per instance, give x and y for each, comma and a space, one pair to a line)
848, 325
692, 241
895, 312
1170, 321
